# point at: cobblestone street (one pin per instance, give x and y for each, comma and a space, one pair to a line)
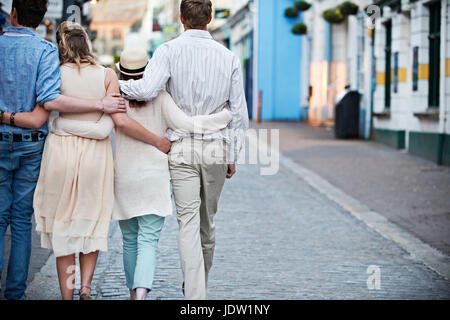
277, 238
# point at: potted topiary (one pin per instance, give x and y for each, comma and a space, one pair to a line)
302, 5
333, 16
299, 28
348, 8
291, 13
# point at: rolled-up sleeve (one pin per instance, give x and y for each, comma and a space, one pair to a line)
155, 78
238, 106
49, 77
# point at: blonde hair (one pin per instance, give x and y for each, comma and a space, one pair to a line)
74, 44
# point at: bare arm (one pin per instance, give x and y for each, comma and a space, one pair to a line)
35, 119
129, 126
112, 103
31, 120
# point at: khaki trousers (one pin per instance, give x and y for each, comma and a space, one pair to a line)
198, 170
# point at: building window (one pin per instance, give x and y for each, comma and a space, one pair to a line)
387, 68
435, 49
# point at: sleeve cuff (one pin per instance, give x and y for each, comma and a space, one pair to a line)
48, 98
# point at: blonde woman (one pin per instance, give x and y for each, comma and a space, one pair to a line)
74, 195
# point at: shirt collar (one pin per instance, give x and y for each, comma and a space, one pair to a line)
197, 34
23, 30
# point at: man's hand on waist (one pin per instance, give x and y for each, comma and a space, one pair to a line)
113, 103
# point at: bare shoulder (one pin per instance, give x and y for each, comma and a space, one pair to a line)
110, 74
111, 80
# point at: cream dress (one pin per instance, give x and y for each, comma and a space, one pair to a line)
74, 197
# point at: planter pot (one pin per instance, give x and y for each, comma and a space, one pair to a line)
291, 13
333, 16
300, 29
348, 8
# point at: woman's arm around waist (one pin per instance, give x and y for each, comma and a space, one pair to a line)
178, 121
87, 129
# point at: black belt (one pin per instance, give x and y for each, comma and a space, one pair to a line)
23, 137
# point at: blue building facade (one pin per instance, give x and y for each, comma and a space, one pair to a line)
279, 59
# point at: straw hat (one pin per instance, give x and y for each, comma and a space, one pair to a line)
133, 62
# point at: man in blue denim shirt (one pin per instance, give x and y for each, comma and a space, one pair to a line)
29, 71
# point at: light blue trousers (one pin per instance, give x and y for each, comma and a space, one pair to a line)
140, 245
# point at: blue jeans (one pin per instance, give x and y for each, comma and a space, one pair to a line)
19, 171
140, 245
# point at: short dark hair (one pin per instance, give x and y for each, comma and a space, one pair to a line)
196, 13
30, 12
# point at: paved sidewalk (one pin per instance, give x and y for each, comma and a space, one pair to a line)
277, 238
409, 191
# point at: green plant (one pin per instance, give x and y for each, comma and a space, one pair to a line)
302, 5
348, 8
299, 28
333, 16
291, 13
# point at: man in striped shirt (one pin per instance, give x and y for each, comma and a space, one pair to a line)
202, 76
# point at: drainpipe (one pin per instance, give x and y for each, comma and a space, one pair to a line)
254, 9
444, 31
305, 69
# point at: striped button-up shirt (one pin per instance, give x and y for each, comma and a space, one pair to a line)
201, 75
